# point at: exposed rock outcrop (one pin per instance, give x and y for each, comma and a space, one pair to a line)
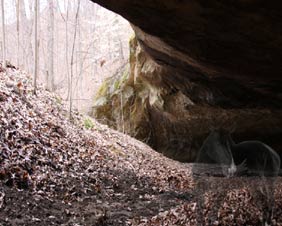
196, 65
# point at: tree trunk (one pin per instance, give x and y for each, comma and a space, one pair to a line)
50, 71
3, 35
35, 46
18, 32
23, 28
26, 26
121, 54
67, 47
72, 58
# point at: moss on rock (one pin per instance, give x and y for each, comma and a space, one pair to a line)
140, 102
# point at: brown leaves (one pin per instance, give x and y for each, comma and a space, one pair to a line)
2, 196
54, 172
3, 97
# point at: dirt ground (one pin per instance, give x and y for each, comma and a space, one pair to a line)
57, 172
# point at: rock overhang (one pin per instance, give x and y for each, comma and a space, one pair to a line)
224, 56
232, 38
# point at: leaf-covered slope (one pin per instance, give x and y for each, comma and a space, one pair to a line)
56, 172
53, 172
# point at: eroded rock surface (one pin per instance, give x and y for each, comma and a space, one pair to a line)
197, 65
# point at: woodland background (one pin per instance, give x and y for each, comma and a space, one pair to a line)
79, 45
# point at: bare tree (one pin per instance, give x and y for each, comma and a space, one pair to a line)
50, 71
121, 54
72, 57
67, 46
18, 31
65, 20
3, 35
26, 31
36, 46
90, 48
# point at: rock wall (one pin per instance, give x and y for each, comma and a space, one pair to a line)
240, 40
198, 65
141, 102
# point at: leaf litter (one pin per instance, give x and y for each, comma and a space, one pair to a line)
56, 172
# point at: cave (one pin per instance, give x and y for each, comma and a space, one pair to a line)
195, 66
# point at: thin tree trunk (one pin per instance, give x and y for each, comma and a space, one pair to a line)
72, 58
3, 35
23, 26
18, 32
67, 47
36, 46
50, 73
31, 56
122, 114
56, 26
81, 60
93, 29
65, 51
121, 54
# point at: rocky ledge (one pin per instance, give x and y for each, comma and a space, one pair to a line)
196, 65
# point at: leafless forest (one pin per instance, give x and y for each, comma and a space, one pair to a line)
79, 45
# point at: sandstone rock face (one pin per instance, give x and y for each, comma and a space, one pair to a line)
201, 64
